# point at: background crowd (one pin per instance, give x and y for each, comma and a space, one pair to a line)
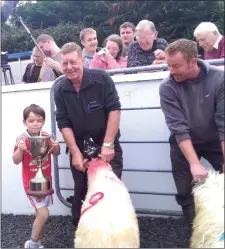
134, 47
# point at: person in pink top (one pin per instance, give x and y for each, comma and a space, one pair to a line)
110, 56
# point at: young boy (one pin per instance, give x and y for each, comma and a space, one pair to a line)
34, 119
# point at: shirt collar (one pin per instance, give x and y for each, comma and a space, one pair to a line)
26, 132
87, 54
216, 45
86, 81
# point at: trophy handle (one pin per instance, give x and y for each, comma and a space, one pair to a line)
24, 139
52, 136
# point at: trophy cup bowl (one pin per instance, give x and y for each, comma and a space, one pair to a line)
39, 147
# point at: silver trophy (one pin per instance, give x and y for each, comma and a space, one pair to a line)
39, 148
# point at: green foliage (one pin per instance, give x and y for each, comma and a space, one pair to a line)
64, 19
18, 40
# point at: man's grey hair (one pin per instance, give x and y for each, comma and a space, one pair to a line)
143, 24
205, 27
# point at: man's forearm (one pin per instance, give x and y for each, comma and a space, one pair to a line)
70, 140
188, 150
57, 66
222, 145
112, 126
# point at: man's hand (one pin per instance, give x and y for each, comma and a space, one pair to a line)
156, 62
107, 154
22, 145
79, 162
50, 62
198, 172
159, 54
53, 64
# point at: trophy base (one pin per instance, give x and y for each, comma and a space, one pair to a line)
40, 193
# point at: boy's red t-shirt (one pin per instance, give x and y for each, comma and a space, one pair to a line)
29, 164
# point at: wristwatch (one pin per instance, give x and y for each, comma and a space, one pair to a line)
109, 145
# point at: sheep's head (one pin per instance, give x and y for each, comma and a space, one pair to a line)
96, 167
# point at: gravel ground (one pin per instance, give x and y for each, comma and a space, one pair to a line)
58, 233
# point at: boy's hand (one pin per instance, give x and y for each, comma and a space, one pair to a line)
54, 143
22, 146
55, 148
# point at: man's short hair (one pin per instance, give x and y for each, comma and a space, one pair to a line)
35, 49
36, 109
205, 27
127, 25
143, 24
44, 38
187, 47
83, 32
71, 47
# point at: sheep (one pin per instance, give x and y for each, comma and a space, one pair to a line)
208, 225
108, 218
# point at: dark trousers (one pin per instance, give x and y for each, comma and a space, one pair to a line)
80, 182
212, 152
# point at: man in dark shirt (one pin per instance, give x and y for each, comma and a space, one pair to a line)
32, 71
192, 99
127, 34
148, 49
87, 103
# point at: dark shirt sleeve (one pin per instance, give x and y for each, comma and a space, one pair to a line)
111, 98
62, 118
24, 79
219, 112
174, 115
162, 44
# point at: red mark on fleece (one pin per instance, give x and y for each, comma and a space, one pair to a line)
95, 164
93, 200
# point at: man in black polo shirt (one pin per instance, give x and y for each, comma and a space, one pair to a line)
87, 103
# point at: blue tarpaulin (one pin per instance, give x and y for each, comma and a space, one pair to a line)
19, 55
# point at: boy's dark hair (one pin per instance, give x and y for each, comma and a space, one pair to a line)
36, 109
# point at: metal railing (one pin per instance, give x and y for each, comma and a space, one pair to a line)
156, 67
138, 210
